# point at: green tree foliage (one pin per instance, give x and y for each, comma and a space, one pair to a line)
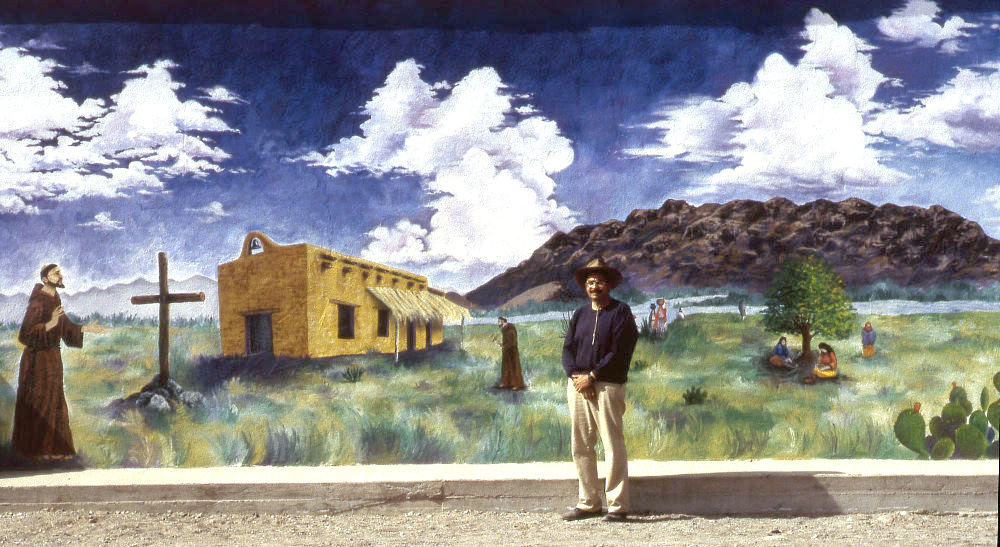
807, 297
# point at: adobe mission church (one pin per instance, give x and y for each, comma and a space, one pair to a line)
306, 301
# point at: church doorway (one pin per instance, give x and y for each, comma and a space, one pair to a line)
258, 334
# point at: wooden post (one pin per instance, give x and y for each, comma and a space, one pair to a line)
164, 299
397, 340
164, 321
461, 334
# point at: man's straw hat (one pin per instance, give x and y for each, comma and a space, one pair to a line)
598, 266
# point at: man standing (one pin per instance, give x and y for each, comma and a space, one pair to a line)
596, 355
41, 418
510, 358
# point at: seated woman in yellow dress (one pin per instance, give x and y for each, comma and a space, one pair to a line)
826, 368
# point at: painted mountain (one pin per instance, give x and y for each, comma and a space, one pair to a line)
115, 300
742, 242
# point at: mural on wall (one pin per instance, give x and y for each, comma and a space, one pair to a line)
283, 239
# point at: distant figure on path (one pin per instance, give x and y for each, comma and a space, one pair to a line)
780, 356
826, 368
651, 318
680, 313
868, 340
510, 358
596, 356
660, 315
41, 419
743, 310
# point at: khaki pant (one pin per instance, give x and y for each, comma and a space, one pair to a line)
602, 415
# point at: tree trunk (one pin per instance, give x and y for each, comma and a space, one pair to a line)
807, 356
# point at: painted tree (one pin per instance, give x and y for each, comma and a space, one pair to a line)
807, 297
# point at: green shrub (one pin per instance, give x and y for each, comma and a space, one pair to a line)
352, 374
694, 396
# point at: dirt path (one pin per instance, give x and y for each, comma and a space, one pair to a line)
61, 527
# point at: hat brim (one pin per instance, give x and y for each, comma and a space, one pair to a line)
613, 276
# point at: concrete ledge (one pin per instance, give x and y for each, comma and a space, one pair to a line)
793, 487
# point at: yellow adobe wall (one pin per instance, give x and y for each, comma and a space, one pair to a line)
301, 286
270, 281
335, 278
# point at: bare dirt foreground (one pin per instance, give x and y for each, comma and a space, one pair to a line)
77, 527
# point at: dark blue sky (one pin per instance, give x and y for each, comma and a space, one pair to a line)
471, 146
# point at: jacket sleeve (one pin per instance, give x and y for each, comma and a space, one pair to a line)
623, 339
569, 347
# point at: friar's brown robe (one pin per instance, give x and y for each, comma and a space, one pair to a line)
510, 365
41, 419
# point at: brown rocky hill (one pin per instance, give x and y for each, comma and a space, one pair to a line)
741, 243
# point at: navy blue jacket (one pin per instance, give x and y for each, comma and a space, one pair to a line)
608, 352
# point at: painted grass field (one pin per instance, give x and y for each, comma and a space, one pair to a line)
440, 407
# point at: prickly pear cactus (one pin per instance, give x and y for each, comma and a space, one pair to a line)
993, 414
943, 449
970, 442
996, 381
984, 399
938, 429
909, 429
954, 414
993, 450
956, 393
978, 419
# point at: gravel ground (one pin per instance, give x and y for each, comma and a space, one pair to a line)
76, 527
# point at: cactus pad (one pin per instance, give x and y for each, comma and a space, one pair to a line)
993, 414
978, 419
943, 449
954, 414
909, 429
970, 442
939, 429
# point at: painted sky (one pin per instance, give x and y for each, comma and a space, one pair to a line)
456, 152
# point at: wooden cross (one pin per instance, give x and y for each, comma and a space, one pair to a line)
164, 299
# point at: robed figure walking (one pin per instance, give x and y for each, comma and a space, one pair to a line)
510, 363
41, 418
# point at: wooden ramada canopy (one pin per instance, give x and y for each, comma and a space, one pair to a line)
418, 305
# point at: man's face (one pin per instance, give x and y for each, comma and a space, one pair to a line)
501, 322
55, 278
597, 287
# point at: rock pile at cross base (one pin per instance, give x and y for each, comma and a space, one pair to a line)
741, 244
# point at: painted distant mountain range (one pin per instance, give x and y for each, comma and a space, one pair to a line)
741, 243
115, 300
737, 244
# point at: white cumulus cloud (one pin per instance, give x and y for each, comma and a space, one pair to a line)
85, 68
42, 42
485, 166
915, 23
220, 94
211, 212
104, 223
795, 130
963, 113
55, 148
